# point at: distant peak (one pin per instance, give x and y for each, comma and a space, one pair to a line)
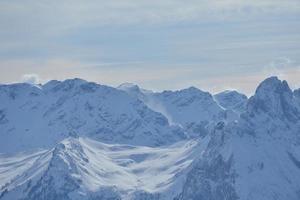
275, 98
21, 86
51, 84
67, 81
190, 95
65, 85
273, 80
132, 88
231, 93
231, 100
273, 84
126, 86
75, 81
191, 90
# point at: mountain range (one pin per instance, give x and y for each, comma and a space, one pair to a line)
76, 139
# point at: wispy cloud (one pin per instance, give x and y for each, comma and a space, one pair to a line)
76, 12
159, 44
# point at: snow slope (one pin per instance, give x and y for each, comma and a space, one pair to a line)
81, 168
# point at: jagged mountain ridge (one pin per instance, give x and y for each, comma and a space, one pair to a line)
194, 110
256, 157
254, 154
47, 114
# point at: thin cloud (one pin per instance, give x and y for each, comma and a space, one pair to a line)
73, 13
166, 44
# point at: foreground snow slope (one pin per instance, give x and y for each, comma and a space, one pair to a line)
81, 168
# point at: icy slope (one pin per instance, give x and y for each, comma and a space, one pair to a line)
81, 168
38, 117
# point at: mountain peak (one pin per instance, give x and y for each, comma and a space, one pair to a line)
129, 87
231, 92
65, 85
75, 80
192, 88
273, 84
275, 98
193, 91
231, 100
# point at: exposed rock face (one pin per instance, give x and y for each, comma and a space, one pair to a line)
275, 99
213, 176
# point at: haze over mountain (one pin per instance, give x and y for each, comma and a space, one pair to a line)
75, 139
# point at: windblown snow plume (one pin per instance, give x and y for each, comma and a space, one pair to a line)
31, 79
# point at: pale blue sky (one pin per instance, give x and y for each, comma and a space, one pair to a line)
213, 45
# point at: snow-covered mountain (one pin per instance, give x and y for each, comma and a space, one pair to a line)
232, 100
135, 91
81, 168
192, 109
257, 157
243, 148
40, 116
